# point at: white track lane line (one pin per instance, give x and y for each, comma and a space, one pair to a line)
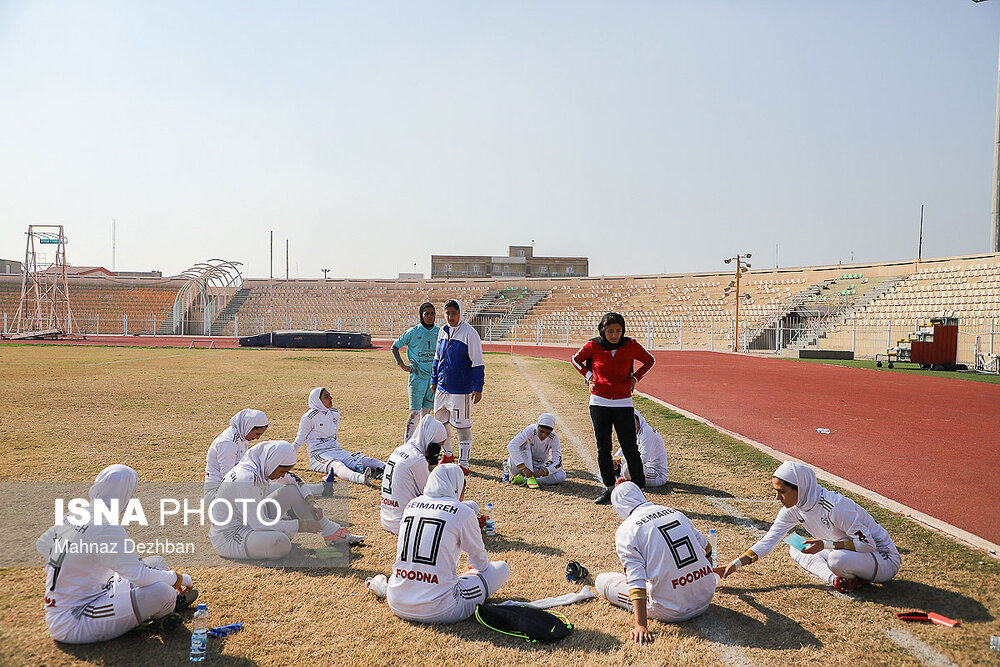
714, 631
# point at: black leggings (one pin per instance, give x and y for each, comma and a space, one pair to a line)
623, 420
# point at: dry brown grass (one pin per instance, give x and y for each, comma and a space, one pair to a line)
61, 419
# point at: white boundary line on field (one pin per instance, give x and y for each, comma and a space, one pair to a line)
122, 361
927, 520
918, 649
714, 631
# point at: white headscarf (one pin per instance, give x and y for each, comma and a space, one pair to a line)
314, 401
266, 457
446, 481
546, 419
461, 312
116, 482
642, 422
428, 430
626, 498
804, 478
245, 421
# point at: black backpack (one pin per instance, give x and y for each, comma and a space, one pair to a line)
528, 623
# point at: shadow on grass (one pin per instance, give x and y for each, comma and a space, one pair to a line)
501, 544
694, 489
143, 647
714, 519
733, 628
587, 641
913, 595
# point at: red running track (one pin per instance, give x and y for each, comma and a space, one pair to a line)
931, 443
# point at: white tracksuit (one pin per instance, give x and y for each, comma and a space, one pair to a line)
407, 470
436, 528
250, 533
653, 453
528, 449
94, 590
318, 431
661, 552
827, 515
228, 448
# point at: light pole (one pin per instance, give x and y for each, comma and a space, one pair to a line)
741, 267
325, 272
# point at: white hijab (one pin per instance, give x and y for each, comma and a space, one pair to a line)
314, 401
446, 481
461, 315
642, 422
116, 482
428, 430
804, 478
626, 498
266, 457
245, 421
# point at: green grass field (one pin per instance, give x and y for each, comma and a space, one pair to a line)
62, 418
906, 368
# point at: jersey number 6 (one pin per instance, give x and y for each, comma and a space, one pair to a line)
676, 545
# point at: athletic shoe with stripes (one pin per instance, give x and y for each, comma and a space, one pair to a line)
344, 534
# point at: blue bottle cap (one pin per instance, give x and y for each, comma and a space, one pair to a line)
202, 606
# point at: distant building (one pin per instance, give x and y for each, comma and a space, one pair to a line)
139, 274
411, 276
10, 267
83, 271
520, 262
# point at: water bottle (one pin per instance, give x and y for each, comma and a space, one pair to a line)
713, 539
506, 471
824, 431
199, 634
491, 525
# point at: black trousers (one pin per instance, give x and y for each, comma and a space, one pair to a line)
623, 421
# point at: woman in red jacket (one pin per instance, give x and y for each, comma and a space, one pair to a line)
607, 362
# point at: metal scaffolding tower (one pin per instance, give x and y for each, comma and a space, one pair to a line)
45, 305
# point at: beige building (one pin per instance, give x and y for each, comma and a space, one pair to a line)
520, 262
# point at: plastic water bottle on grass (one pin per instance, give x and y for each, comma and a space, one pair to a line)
505, 477
199, 634
713, 539
491, 525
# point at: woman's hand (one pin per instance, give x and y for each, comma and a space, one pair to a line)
725, 570
405, 367
633, 384
317, 512
641, 635
541, 472
815, 546
476, 397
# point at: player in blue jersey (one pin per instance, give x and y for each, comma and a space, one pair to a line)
420, 342
457, 379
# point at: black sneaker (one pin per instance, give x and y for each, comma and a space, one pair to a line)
605, 497
378, 473
185, 600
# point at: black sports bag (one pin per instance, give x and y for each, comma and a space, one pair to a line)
528, 623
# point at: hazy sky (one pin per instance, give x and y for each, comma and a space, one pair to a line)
649, 136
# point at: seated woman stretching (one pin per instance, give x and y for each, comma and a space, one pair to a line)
535, 455
247, 534
436, 528
95, 590
848, 545
318, 431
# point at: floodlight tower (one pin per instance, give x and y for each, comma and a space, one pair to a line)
45, 303
741, 267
